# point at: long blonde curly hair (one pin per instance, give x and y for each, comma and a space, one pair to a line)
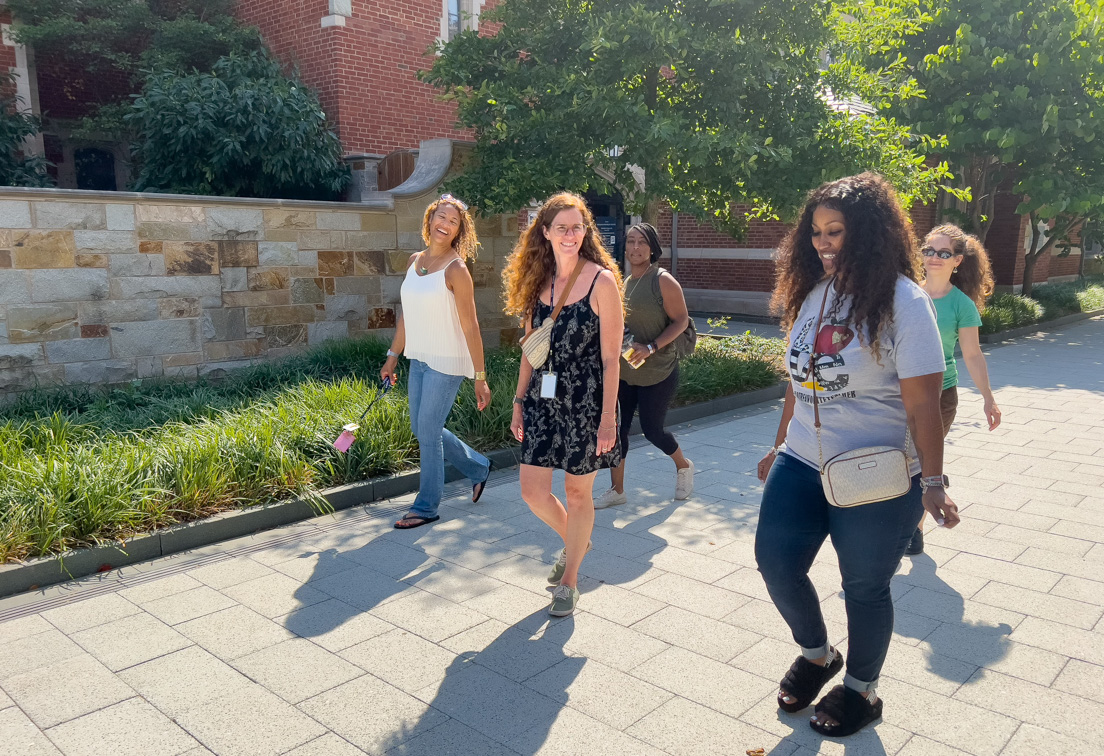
533, 263
466, 242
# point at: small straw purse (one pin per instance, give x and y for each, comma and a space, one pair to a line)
860, 476
538, 341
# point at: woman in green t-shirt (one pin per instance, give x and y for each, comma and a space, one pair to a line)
958, 278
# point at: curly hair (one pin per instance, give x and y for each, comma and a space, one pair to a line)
533, 263
878, 246
974, 275
466, 242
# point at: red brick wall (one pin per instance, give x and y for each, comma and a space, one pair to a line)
365, 71
724, 275
693, 234
7, 54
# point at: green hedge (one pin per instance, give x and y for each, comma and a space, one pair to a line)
83, 465
1005, 311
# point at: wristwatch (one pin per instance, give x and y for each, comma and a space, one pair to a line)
519, 400
391, 353
652, 348
935, 481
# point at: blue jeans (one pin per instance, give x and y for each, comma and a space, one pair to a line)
431, 396
869, 540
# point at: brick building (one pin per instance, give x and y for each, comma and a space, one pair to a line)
362, 57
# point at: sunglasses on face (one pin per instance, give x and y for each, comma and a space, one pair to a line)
459, 203
942, 254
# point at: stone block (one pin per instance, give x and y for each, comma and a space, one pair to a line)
390, 287
267, 279
173, 308
295, 219
78, 350
256, 298
367, 286
149, 367
308, 259
484, 275
410, 241
43, 249
169, 214
224, 324
20, 355
135, 265
306, 291
319, 332
279, 336
346, 307
328, 286
110, 242
371, 240
101, 371
151, 247
369, 264
286, 315
321, 239
15, 214
94, 331
181, 360
234, 223
153, 287
397, 263
277, 253
237, 254
339, 221
384, 222
220, 351
155, 338
187, 372
234, 279
120, 217
380, 317
69, 215
168, 231
75, 285
46, 322
191, 258
15, 287
95, 260
17, 379
219, 370
5, 258
117, 311
282, 235
335, 263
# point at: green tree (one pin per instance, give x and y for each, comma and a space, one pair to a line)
105, 46
1016, 87
16, 167
242, 130
712, 102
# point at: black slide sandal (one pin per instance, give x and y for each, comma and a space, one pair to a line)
849, 708
804, 680
477, 489
410, 521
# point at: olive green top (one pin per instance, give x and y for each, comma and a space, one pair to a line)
646, 319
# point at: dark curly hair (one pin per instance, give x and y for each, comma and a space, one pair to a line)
878, 246
974, 275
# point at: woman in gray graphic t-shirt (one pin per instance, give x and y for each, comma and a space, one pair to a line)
863, 345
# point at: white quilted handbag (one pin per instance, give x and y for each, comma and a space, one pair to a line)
860, 476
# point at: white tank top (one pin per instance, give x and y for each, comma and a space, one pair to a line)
433, 332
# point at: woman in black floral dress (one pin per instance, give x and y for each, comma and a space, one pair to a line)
565, 412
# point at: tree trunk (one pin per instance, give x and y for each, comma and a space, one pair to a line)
981, 175
1029, 274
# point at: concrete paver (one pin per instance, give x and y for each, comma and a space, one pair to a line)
344, 636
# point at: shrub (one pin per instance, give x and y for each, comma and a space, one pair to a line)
243, 130
1004, 311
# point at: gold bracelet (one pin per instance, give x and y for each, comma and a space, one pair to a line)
481, 375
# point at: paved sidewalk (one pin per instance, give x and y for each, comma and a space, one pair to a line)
342, 636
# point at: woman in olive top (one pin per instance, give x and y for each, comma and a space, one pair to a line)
656, 315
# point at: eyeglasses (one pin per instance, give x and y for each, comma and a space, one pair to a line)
576, 230
459, 203
942, 254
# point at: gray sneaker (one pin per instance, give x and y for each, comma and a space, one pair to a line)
610, 499
564, 600
556, 575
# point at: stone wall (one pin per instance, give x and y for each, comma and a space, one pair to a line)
110, 287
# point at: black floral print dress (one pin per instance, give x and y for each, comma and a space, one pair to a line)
562, 432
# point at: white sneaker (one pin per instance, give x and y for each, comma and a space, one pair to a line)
684, 482
610, 499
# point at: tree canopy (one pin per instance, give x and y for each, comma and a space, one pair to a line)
1016, 87
715, 102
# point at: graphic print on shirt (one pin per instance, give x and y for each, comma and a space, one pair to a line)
830, 369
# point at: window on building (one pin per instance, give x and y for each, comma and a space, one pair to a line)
458, 16
453, 18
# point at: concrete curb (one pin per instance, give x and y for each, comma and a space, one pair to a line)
1002, 337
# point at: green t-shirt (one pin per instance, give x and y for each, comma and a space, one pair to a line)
952, 312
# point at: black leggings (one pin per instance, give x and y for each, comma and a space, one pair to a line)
652, 402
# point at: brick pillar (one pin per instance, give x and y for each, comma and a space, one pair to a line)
20, 62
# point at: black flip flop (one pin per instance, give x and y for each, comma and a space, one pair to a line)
849, 708
477, 489
416, 521
804, 680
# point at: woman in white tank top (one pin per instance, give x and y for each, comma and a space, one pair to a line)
439, 332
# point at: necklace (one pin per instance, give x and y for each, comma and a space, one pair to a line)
424, 271
629, 293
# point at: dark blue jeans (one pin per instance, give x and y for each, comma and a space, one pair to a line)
869, 540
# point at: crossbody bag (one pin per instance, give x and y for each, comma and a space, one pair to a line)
538, 341
860, 476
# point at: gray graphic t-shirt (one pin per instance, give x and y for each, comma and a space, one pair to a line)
860, 400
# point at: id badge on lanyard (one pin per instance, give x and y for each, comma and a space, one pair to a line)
548, 385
